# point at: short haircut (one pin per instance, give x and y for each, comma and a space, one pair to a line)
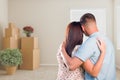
87, 18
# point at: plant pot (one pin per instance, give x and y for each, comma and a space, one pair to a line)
28, 35
11, 69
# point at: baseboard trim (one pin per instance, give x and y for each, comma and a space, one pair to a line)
49, 65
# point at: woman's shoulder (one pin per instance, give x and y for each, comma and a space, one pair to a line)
59, 49
60, 46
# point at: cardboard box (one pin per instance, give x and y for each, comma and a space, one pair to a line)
10, 42
29, 43
19, 43
11, 25
12, 32
31, 59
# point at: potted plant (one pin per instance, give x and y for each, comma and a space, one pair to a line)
10, 58
28, 30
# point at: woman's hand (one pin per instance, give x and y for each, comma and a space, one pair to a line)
101, 45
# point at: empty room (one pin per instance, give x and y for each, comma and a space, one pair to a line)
39, 39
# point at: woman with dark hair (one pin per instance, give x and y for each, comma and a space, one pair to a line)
73, 40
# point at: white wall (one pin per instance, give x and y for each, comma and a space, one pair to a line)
50, 18
116, 4
3, 17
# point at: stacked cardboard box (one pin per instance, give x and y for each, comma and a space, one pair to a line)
30, 52
12, 37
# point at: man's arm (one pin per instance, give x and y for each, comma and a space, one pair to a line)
94, 69
72, 62
83, 53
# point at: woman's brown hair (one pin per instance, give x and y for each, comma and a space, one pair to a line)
74, 36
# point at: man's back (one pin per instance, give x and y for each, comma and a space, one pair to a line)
90, 50
108, 71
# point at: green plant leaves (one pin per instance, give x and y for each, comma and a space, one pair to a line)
10, 57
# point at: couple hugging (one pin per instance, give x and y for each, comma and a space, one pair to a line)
92, 60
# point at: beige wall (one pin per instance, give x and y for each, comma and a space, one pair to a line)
49, 19
116, 4
3, 17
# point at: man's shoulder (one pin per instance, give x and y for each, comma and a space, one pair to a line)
90, 40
